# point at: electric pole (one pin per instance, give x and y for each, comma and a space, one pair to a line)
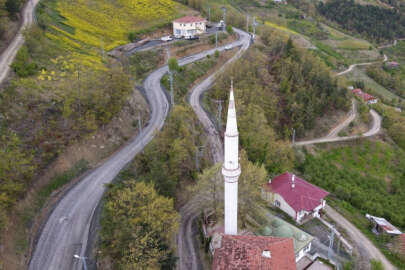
209, 14
331, 238
254, 26
198, 154
216, 39
224, 10
247, 23
219, 114
170, 79
293, 136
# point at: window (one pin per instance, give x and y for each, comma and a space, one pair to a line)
277, 203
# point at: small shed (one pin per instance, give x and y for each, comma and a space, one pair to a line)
382, 226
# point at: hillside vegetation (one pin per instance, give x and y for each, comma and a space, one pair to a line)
64, 86
374, 22
279, 88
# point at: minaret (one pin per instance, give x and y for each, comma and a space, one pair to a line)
231, 169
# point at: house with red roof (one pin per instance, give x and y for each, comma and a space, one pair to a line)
254, 253
189, 26
369, 99
295, 196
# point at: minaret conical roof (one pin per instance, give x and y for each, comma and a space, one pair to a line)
231, 125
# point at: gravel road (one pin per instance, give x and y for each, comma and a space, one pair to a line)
375, 129
7, 57
357, 237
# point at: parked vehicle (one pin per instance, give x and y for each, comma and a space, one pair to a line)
191, 37
166, 38
228, 47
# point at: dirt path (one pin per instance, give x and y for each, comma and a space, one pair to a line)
356, 236
333, 137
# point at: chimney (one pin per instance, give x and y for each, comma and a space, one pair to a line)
266, 254
293, 181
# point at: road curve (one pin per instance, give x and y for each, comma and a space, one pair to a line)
352, 115
358, 237
7, 57
351, 67
374, 130
187, 251
67, 228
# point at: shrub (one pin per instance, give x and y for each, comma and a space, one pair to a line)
216, 54
22, 64
229, 29
132, 36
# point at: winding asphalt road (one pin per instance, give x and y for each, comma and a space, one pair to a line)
187, 251
7, 57
67, 228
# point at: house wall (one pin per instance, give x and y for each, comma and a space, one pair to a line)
284, 206
303, 252
188, 29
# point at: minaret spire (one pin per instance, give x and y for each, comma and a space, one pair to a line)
231, 169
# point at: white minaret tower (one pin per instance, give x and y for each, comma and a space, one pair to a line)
231, 169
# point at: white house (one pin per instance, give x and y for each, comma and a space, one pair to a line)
189, 26
295, 196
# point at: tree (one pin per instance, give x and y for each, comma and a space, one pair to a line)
13, 6
252, 178
229, 29
137, 226
173, 64
210, 186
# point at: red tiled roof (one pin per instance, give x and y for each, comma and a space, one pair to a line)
304, 196
239, 252
363, 95
190, 19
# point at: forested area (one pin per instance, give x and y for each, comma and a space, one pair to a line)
279, 88
137, 228
371, 21
390, 78
64, 87
394, 122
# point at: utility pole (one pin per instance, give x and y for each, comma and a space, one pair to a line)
254, 26
216, 39
293, 136
247, 23
224, 10
140, 129
219, 114
331, 239
209, 14
170, 79
198, 153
